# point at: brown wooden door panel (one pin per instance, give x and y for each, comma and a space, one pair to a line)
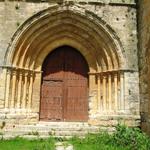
52, 100
77, 106
64, 86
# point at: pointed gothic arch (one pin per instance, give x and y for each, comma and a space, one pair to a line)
53, 28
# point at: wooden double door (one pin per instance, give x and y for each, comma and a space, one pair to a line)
64, 89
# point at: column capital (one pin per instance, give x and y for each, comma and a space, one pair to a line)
14, 72
9, 71
116, 74
25, 73
104, 76
31, 74
122, 73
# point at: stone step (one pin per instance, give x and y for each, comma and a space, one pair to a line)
55, 133
46, 134
55, 128
63, 146
59, 127
50, 130
37, 127
51, 126
46, 129
8, 136
62, 123
27, 128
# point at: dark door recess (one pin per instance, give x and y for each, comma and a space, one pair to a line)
64, 88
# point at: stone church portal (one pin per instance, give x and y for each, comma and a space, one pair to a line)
71, 63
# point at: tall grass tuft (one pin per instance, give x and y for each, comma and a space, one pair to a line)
124, 138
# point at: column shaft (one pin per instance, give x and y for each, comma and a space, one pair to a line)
109, 92
24, 99
13, 89
19, 90
99, 92
122, 91
30, 91
104, 93
8, 78
116, 91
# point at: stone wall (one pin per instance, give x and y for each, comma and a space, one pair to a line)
144, 62
119, 15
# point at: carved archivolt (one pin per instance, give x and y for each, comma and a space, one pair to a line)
54, 27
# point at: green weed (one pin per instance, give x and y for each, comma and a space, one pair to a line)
124, 138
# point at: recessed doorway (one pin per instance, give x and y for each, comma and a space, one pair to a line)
64, 87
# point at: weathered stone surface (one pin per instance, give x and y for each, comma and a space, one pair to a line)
144, 62
63, 146
102, 24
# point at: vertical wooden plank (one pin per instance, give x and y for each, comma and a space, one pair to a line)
51, 105
76, 73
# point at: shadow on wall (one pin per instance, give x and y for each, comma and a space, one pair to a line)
147, 54
145, 88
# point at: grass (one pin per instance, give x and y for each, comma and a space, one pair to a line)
24, 144
123, 139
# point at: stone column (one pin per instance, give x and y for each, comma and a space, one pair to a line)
104, 93
92, 81
24, 99
126, 91
13, 96
109, 92
98, 92
36, 92
30, 90
93, 93
116, 91
121, 91
19, 89
8, 78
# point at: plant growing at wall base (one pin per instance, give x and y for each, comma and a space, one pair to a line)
3, 124
36, 133
124, 138
134, 138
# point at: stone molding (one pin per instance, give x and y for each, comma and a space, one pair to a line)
74, 10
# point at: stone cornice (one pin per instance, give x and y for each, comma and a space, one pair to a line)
20, 69
114, 2
113, 71
103, 2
